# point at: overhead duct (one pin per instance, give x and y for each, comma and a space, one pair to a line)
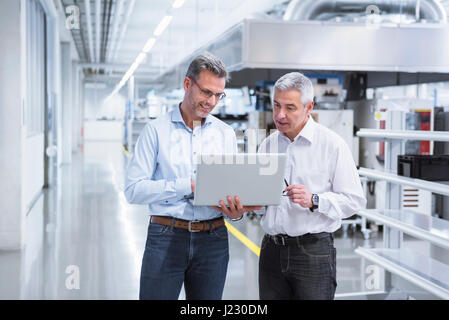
261, 49
325, 10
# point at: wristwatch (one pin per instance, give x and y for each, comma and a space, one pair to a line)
315, 202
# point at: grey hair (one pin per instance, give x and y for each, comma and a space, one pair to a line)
296, 81
209, 62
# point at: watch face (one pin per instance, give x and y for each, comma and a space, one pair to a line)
315, 199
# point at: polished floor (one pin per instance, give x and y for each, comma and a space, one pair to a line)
84, 241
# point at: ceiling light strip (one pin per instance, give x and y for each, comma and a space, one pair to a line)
148, 46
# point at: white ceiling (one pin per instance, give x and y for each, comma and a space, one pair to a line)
194, 23
189, 23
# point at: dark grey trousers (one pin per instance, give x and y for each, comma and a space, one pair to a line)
299, 268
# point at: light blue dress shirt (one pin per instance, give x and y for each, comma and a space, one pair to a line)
163, 164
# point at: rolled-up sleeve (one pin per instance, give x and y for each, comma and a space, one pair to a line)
139, 186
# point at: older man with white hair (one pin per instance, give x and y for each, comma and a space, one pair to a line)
298, 257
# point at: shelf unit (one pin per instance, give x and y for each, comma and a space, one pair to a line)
384, 135
418, 225
424, 272
429, 274
435, 187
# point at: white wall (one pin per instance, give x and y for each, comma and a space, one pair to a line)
67, 102
22, 157
103, 130
32, 169
77, 107
11, 130
95, 95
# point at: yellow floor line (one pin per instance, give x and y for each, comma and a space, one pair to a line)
126, 152
240, 236
236, 233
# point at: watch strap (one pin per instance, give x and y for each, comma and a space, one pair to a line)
314, 206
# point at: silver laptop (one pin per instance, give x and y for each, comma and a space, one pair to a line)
257, 178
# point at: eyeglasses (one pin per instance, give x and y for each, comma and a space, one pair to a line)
207, 93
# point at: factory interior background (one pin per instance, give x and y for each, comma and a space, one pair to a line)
79, 80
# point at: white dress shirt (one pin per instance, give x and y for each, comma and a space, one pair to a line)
321, 160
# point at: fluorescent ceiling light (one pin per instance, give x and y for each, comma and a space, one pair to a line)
141, 57
150, 43
133, 68
164, 24
148, 46
178, 3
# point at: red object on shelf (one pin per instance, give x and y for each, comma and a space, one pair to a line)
424, 125
382, 144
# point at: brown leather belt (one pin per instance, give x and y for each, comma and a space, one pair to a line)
192, 226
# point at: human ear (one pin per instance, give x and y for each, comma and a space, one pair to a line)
187, 83
309, 107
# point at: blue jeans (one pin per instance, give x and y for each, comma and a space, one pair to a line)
175, 256
301, 268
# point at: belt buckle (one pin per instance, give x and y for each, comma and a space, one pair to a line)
276, 240
190, 226
283, 240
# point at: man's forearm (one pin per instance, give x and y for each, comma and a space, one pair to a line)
148, 191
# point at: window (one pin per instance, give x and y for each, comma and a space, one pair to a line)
35, 69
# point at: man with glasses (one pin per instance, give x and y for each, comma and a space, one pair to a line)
185, 244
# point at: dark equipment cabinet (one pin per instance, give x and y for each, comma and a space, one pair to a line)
425, 167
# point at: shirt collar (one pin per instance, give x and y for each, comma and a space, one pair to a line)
176, 116
306, 132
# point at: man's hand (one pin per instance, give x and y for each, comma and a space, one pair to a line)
234, 211
192, 185
298, 194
